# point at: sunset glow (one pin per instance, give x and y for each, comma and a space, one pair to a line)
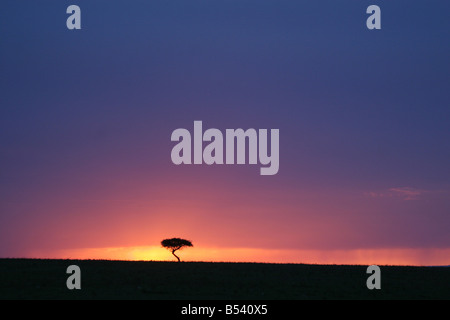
401, 257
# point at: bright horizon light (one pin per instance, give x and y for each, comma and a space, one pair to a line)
400, 257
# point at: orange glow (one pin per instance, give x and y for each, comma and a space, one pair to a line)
327, 228
351, 257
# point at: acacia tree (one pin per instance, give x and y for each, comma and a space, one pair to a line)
175, 244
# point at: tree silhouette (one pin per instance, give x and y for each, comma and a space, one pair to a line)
175, 244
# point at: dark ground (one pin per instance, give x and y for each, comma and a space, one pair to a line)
46, 279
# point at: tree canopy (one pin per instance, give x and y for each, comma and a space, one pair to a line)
175, 244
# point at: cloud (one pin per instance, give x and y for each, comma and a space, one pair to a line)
407, 193
404, 193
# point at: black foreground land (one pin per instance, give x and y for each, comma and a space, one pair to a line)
100, 279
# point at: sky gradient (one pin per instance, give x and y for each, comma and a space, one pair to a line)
86, 118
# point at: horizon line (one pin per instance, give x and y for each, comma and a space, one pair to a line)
225, 262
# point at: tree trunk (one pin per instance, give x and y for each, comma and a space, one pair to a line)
173, 252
